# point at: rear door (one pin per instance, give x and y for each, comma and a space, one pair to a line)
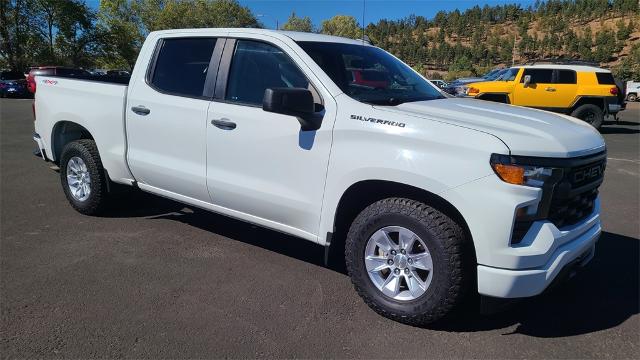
167, 117
566, 87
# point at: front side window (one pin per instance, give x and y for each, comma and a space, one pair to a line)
182, 65
539, 76
257, 66
369, 74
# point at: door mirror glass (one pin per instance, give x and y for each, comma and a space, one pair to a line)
527, 80
297, 102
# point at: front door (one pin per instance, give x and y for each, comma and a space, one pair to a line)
540, 92
261, 165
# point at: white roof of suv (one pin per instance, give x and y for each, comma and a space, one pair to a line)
581, 68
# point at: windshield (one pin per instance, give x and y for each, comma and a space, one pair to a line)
491, 74
508, 75
369, 74
495, 75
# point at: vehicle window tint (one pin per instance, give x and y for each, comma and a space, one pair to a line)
566, 77
539, 76
181, 66
257, 66
605, 78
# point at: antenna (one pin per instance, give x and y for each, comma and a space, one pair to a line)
364, 3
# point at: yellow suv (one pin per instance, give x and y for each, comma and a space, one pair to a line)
585, 92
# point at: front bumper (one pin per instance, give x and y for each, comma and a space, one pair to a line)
510, 283
528, 267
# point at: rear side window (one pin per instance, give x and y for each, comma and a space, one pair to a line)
605, 78
257, 66
566, 77
539, 76
181, 66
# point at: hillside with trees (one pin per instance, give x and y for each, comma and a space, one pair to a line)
68, 32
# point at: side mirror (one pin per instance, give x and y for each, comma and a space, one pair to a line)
527, 80
296, 102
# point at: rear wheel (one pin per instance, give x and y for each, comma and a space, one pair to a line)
83, 178
632, 97
407, 261
589, 113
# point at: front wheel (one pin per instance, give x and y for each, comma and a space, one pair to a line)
407, 260
589, 113
83, 178
632, 97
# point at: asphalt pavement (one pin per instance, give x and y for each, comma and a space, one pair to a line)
157, 279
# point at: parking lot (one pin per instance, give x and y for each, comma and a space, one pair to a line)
154, 278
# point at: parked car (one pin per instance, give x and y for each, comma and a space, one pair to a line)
118, 73
457, 87
432, 198
370, 77
12, 83
97, 72
52, 70
633, 89
439, 83
586, 92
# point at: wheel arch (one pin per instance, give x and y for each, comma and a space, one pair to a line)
502, 98
63, 132
364, 193
592, 100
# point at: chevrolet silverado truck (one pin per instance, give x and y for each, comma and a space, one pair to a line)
433, 198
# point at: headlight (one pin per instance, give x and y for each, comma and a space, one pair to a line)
511, 172
471, 91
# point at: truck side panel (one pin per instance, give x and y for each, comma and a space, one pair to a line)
98, 107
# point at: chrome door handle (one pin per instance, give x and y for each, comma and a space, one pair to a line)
550, 89
223, 124
140, 110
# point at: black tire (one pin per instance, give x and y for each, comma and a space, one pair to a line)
632, 97
446, 242
592, 114
86, 150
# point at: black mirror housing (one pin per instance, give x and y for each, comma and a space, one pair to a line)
296, 102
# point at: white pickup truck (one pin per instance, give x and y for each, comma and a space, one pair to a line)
338, 142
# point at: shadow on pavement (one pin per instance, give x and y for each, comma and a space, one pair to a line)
602, 296
613, 127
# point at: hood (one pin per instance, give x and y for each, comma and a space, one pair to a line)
525, 131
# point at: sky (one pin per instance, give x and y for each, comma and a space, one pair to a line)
270, 11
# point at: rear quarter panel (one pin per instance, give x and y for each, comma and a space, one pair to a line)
96, 106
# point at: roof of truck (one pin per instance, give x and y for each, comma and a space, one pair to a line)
294, 35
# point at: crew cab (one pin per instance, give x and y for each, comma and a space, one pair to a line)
432, 198
585, 92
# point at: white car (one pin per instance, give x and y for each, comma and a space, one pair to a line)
432, 197
633, 90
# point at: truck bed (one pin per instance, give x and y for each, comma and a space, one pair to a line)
95, 104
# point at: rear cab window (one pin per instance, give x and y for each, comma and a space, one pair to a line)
181, 66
